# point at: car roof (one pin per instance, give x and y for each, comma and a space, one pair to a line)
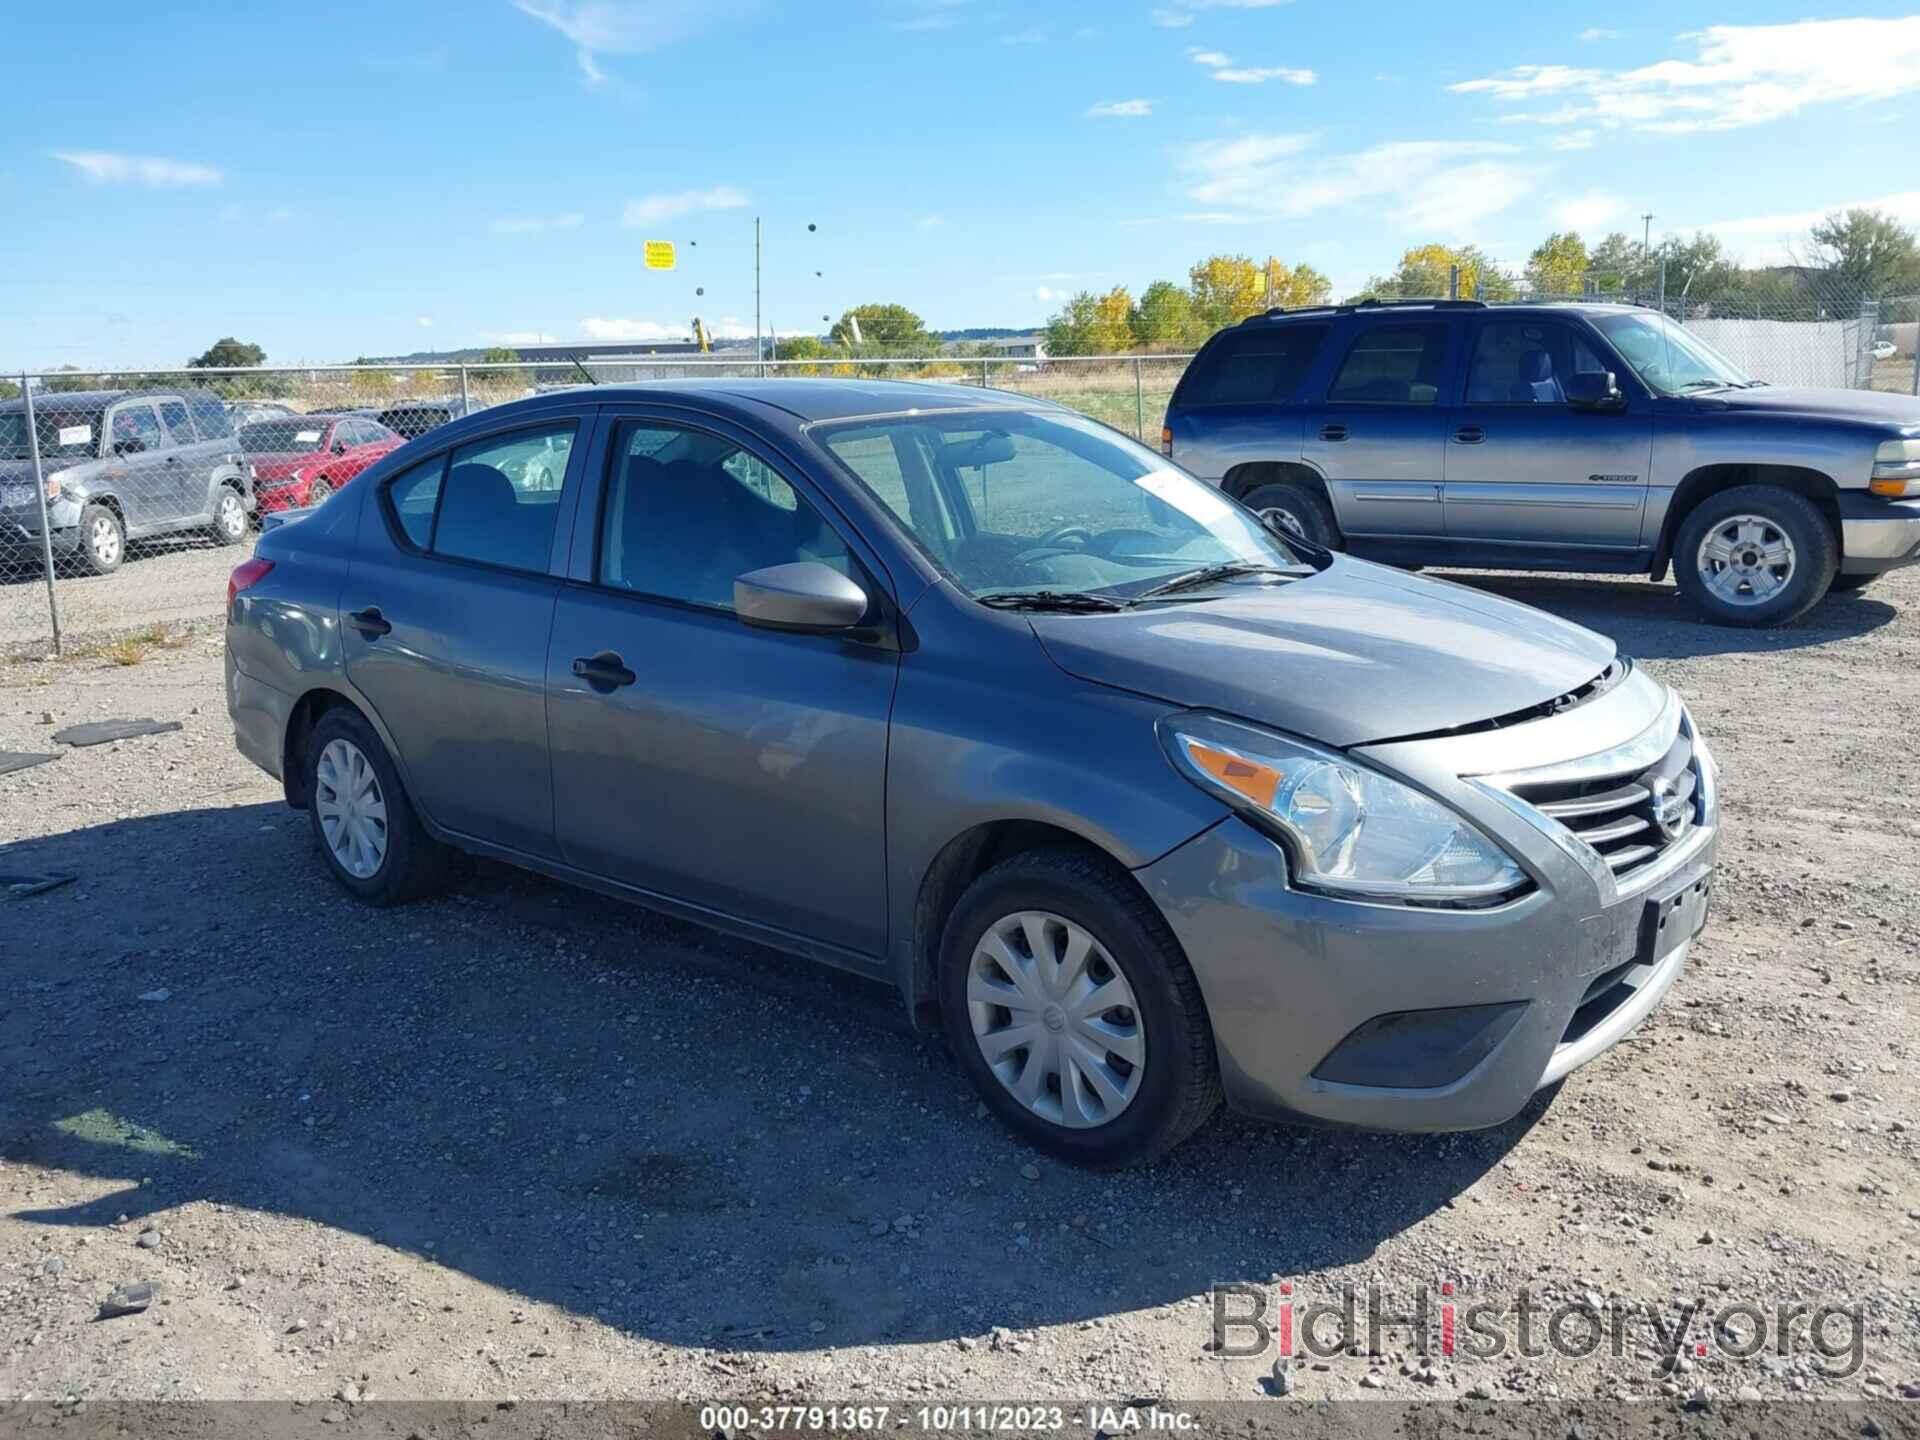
1397, 307
823, 399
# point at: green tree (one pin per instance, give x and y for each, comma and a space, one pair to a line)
799, 347
1618, 265
1164, 315
228, 353
69, 380
883, 329
1426, 272
1070, 331
1558, 265
9, 390
1867, 253
500, 355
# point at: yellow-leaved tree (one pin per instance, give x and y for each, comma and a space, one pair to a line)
1110, 330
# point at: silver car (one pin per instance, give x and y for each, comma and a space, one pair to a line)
1138, 802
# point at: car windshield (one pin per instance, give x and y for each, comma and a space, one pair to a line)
1669, 358
63, 435
1008, 502
294, 436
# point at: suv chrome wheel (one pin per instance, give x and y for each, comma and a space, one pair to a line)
351, 809
230, 514
1055, 1019
1746, 560
104, 540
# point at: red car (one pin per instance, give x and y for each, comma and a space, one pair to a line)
302, 459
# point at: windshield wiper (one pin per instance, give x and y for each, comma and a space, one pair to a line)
1072, 602
1194, 579
1711, 385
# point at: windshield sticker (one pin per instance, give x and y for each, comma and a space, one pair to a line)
305, 437
1193, 500
74, 435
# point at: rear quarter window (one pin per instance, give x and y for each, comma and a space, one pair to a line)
1262, 365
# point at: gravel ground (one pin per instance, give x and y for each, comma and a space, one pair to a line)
175, 580
526, 1142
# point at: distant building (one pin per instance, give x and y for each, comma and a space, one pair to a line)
1018, 347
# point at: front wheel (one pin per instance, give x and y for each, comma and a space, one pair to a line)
1754, 555
1070, 1006
103, 540
229, 517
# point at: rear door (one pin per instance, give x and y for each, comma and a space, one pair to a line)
1524, 468
1378, 435
190, 461
445, 618
1238, 403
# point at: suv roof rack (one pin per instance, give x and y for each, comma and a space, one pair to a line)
1368, 304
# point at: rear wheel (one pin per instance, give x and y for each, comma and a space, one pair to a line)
103, 540
366, 827
1296, 508
1754, 555
229, 525
1847, 583
1068, 1003
318, 492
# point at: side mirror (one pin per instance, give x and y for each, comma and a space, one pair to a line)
129, 447
1593, 390
805, 596
339, 447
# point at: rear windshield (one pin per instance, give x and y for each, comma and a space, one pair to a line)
294, 436
1249, 367
64, 434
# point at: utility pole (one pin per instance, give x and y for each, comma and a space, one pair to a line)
1646, 232
759, 354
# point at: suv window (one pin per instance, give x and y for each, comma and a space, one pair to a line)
1245, 367
687, 511
173, 414
136, 423
210, 417
1393, 365
1523, 362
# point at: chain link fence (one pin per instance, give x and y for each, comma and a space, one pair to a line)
127, 497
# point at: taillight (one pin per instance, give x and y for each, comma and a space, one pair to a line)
1166, 441
245, 576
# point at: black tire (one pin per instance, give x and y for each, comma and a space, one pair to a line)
1299, 507
415, 864
230, 524
1181, 1084
1846, 584
1815, 554
103, 540
318, 493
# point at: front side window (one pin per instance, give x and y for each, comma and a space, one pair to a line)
1393, 365
136, 427
688, 511
1011, 501
1669, 359
1524, 362
1264, 364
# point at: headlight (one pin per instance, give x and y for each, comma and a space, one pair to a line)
1896, 469
1350, 830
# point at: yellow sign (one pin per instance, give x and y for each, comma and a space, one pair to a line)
659, 254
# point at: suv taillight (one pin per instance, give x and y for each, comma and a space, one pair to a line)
1166, 441
246, 574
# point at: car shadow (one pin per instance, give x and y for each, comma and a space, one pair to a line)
1651, 622
693, 1139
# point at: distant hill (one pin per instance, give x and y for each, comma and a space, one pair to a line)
983, 332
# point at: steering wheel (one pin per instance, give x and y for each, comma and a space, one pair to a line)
1059, 535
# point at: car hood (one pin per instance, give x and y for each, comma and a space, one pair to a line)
1873, 406
1354, 654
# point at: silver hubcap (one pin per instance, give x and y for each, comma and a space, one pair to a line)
1056, 1020
1285, 519
105, 540
1746, 560
233, 519
352, 809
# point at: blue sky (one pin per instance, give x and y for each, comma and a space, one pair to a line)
375, 177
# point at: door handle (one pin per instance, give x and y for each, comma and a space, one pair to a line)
1333, 432
1470, 435
605, 671
370, 622
173, 459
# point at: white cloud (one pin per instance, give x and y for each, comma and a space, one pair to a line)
1594, 210
652, 209
929, 222
104, 167
1572, 140
1025, 37
536, 224
1120, 109
1171, 19
1239, 75
934, 15
525, 337
425, 322
1781, 238
1594, 34
602, 327
1047, 294
1740, 75
1432, 185
1218, 59
618, 27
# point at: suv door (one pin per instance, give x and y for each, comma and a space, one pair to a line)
738, 770
445, 615
147, 486
190, 461
1522, 467
1238, 402
1378, 435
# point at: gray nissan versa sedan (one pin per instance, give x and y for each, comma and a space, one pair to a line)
1139, 802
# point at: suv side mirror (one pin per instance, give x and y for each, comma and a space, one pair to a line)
1593, 390
806, 596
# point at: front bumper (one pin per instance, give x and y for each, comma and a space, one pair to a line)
1308, 994
1877, 535
20, 527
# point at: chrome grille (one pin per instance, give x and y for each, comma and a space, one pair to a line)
1630, 820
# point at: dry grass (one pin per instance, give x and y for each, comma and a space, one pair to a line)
132, 649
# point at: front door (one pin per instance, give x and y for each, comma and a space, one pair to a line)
735, 769
445, 617
1378, 436
148, 486
190, 461
1522, 467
